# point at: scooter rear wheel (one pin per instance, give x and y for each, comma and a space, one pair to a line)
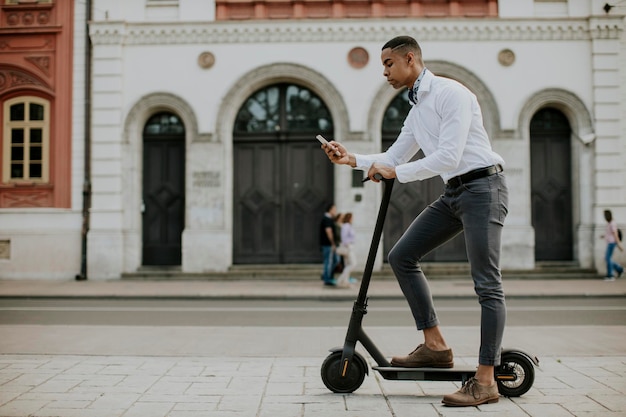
331, 374
515, 375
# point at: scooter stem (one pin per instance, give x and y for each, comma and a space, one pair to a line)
355, 331
378, 231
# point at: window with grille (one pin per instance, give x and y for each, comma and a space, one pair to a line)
26, 140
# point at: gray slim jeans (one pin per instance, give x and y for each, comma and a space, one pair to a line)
478, 208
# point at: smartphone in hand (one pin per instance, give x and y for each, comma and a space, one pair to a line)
325, 142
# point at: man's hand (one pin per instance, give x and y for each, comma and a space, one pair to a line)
384, 170
344, 157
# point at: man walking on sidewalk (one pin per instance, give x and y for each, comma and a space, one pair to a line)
328, 244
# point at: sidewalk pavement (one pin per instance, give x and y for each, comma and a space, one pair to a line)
296, 289
143, 386
280, 382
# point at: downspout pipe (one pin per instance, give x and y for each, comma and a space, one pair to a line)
82, 276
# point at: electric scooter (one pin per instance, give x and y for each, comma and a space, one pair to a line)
344, 370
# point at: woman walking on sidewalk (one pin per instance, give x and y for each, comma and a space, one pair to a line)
346, 250
612, 239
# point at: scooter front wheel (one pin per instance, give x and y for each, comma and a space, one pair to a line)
515, 375
332, 370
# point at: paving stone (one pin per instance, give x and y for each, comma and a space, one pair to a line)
282, 410
71, 404
21, 408
167, 387
43, 386
73, 412
284, 388
180, 398
57, 385
152, 409
615, 403
6, 396
114, 401
244, 403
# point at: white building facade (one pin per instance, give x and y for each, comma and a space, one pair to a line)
172, 80
148, 58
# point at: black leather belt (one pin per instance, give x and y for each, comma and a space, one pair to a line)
474, 175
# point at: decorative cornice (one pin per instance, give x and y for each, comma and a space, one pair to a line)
374, 30
603, 28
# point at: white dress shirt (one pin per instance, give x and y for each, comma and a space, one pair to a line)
447, 124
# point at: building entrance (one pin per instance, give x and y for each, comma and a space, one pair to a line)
282, 180
551, 185
163, 211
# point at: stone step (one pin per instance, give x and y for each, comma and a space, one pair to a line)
434, 271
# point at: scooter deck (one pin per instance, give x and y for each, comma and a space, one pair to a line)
426, 374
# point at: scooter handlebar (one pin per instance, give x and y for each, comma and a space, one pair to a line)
378, 176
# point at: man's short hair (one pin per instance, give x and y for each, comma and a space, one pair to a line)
404, 44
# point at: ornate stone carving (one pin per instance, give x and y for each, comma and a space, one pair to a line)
10, 78
28, 19
30, 14
43, 18
41, 62
13, 19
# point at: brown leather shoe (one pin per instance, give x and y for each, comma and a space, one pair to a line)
423, 357
472, 394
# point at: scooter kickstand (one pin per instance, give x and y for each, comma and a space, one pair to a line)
463, 380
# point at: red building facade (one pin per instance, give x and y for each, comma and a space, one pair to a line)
342, 9
36, 39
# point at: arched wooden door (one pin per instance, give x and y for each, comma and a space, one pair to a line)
163, 190
408, 200
551, 185
282, 180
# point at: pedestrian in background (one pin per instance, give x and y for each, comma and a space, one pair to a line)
337, 234
612, 239
328, 244
346, 250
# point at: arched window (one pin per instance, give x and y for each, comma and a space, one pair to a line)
164, 124
395, 115
283, 107
26, 143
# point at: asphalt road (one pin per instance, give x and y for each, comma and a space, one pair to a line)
291, 328
460, 312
